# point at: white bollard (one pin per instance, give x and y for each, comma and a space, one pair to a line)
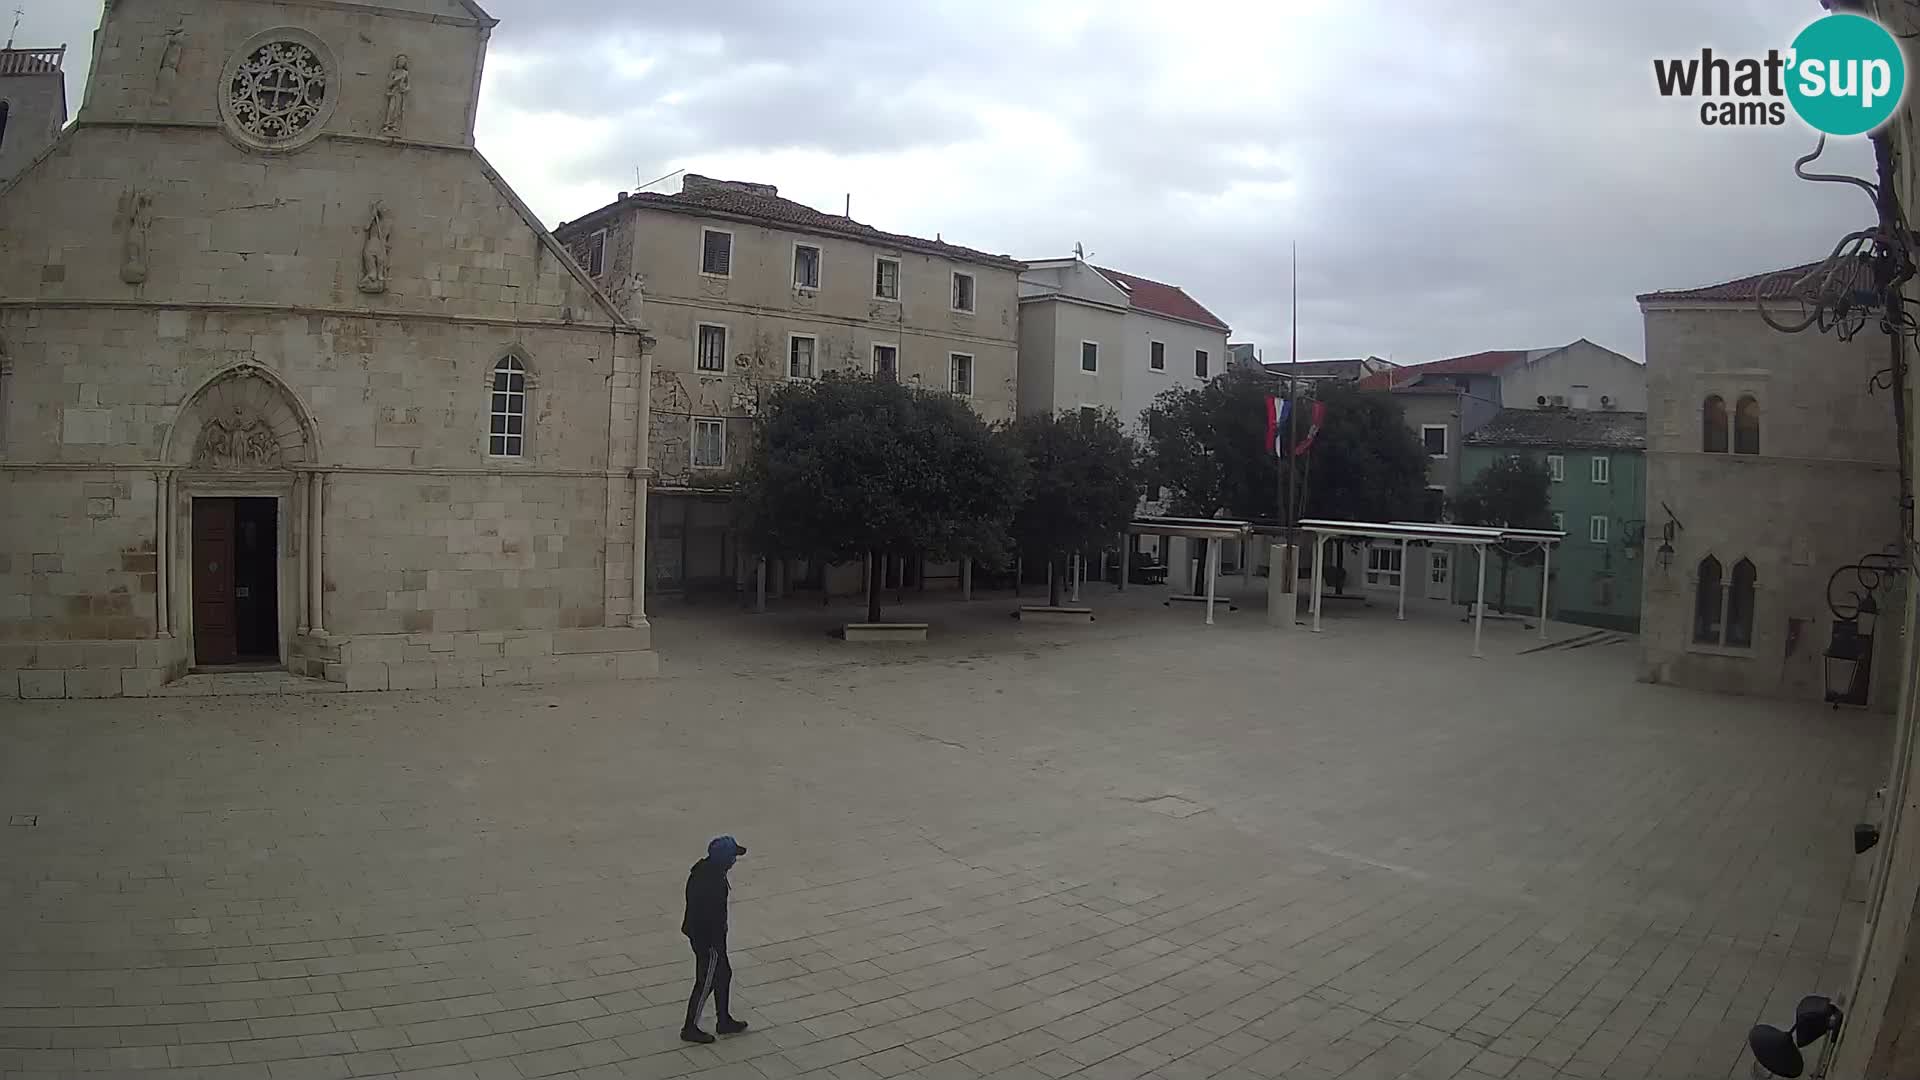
1283, 575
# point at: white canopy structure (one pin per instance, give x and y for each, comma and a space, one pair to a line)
1414, 532
1192, 529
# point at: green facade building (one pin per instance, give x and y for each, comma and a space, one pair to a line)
1598, 461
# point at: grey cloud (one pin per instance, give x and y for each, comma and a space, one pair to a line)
1499, 173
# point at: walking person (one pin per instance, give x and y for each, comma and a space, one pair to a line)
705, 925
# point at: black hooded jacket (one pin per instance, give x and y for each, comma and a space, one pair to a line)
706, 920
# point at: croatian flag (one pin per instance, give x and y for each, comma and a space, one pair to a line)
1277, 410
1316, 417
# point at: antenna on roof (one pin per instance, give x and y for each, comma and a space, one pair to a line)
638, 186
17, 12
849, 214
1079, 251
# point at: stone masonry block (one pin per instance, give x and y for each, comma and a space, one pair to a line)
410, 676
637, 665
9, 685
364, 676
536, 643
601, 639
449, 674
43, 684
470, 647
117, 654
93, 683
136, 682
506, 673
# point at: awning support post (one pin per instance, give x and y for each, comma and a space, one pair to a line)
1479, 599
1403, 582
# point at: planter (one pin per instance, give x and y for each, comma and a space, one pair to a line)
1043, 613
885, 631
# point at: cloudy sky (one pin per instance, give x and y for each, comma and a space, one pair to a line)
1458, 176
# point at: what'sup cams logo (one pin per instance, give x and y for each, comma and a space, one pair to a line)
1844, 75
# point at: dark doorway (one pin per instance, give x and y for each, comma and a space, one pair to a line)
236, 578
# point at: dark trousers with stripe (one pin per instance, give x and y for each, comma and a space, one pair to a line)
712, 975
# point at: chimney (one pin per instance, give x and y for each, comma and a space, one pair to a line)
693, 182
623, 197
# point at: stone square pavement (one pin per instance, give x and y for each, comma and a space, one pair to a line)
1140, 848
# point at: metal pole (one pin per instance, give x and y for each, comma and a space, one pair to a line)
760, 585
1077, 569
1213, 571
966, 579
1126, 559
1319, 574
1403, 581
1546, 573
1479, 599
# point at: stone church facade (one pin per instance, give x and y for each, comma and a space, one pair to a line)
289, 375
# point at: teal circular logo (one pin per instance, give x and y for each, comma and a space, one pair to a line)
1848, 75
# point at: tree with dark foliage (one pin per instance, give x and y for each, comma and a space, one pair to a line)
1514, 492
1085, 484
848, 466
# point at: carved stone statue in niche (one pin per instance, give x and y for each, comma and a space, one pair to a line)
136, 215
376, 251
399, 81
236, 444
169, 64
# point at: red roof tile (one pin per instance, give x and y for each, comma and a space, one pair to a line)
1778, 285
1481, 363
1161, 298
762, 203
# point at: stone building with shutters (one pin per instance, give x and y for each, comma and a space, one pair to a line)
746, 290
33, 104
290, 376
1772, 466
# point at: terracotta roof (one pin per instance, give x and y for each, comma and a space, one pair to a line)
1481, 363
1778, 284
1160, 298
762, 203
1571, 429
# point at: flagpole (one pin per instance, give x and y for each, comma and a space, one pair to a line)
1293, 401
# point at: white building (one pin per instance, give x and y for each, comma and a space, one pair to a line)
1094, 337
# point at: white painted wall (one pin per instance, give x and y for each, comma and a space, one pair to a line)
1582, 364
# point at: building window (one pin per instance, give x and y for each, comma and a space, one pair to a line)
716, 252
1089, 356
1597, 529
1602, 470
1723, 612
1557, 467
1434, 437
1089, 414
1740, 605
886, 362
1582, 397
806, 266
1383, 566
962, 292
1433, 504
710, 353
507, 427
1559, 521
1713, 425
960, 373
1157, 356
709, 443
1603, 590
1746, 426
886, 278
1200, 363
595, 254
800, 356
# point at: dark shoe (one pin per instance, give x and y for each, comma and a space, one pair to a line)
730, 1026
695, 1035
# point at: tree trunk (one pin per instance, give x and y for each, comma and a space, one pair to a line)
1503, 585
1340, 561
877, 568
1054, 579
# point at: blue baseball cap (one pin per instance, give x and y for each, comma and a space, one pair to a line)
725, 847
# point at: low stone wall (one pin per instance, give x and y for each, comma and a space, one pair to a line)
476, 658
89, 669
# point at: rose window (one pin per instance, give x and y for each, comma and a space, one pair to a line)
277, 92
